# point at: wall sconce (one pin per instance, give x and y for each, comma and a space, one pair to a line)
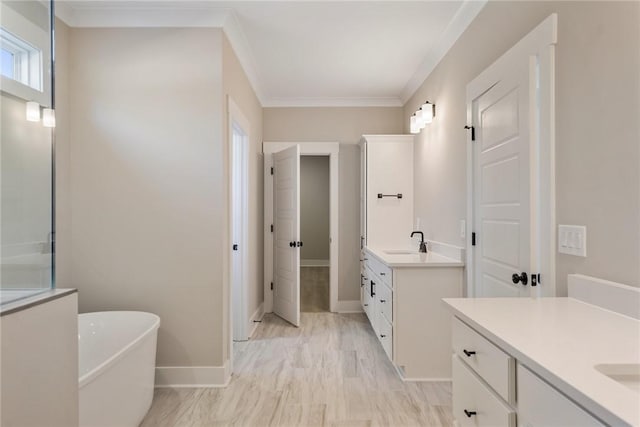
33, 111
422, 117
48, 114
48, 118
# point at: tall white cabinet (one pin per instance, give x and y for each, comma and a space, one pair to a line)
386, 191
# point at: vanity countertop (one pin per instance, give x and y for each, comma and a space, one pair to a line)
409, 258
562, 340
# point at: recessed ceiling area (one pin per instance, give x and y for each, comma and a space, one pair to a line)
310, 53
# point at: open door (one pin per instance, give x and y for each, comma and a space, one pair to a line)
286, 194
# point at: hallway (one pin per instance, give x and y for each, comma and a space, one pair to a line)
330, 372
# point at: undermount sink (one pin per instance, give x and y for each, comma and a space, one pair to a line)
399, 252
626, 374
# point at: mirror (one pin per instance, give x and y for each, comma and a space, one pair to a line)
26, 149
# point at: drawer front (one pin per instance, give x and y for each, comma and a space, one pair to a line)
381, 270
474, 404
385, 302
495, 366
385, 335
539, 404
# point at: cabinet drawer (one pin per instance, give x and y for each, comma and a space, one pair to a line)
539, 404
474, 404
381, 270
385, 335
385, 302
495, 366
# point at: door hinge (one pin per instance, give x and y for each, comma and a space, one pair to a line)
272, 228
271, 285
535, 279
473, 132
473, 238
271, 170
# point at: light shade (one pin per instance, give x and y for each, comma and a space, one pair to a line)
414, 126
426, 112
48, 118
33, 111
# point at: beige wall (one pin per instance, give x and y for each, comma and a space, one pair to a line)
314, 207
598, 105
343, 125
236, 86
146, 194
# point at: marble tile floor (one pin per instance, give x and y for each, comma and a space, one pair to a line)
329, 372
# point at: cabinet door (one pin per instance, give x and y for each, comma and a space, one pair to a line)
474, 404
539, 405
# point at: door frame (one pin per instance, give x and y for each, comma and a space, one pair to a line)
331, 149
235, 116
538, 48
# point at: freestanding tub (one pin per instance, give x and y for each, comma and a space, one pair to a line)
117, 354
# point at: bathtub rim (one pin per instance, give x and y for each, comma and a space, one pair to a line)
95, 372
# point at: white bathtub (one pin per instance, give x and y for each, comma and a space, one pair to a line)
117, 354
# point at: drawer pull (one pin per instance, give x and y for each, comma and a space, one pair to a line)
366, 305
382, 274
383, 336
366, 259
469, 354
383, 300
469, 413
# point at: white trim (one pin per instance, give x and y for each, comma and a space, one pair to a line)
331, 149
333, 102
350, 306
462, 19
209, 15
315, 263
193, 376
255, 319
235, 115
540, 42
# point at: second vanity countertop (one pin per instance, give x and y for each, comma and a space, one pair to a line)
563, 340
408, 258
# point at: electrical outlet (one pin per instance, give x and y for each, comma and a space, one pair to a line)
572, 240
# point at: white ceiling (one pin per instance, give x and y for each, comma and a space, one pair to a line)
309, 53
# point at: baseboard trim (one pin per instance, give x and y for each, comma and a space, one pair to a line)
255, 319
193, 376
314, 263
352, 306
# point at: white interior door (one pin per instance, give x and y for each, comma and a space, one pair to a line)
501, 184
239, 224
286, 192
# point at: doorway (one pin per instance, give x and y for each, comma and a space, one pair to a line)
314, 231
238, 163
283, 243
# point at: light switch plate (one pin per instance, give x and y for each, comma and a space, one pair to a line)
572, 240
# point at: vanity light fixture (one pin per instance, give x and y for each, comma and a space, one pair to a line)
422, 117
33, 111
48, 118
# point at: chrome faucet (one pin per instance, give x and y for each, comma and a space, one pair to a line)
423, 244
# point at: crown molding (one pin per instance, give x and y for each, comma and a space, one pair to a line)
463, 17
149, 14
333, 102
240, 45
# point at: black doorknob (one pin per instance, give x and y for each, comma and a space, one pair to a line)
292, 244
520, 278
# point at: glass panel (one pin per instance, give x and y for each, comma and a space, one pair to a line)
26, 153
7, 62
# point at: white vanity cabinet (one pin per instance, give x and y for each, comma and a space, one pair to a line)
386, 190
404, 307
490, 388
